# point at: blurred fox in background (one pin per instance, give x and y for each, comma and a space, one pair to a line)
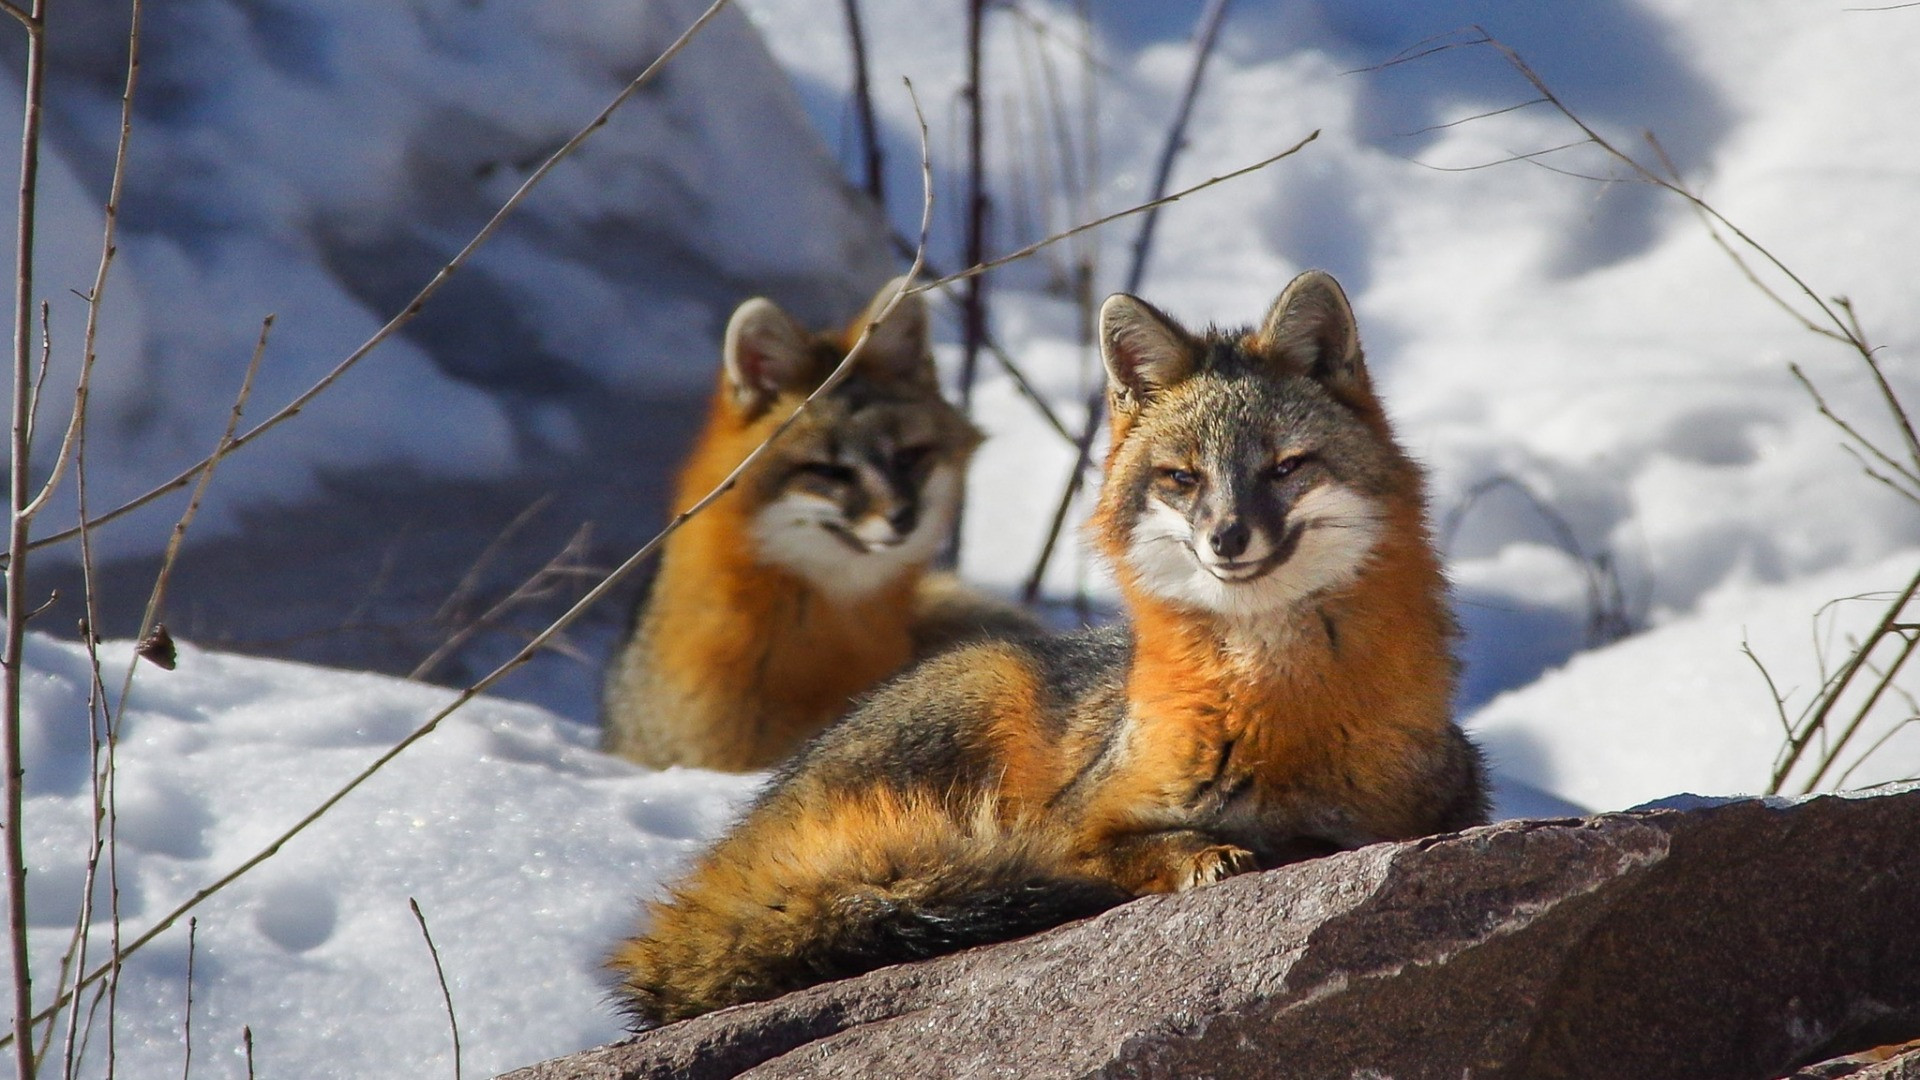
808, 583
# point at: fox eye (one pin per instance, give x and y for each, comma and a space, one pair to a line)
830, 471
910, 458
1287, 466
1180, 478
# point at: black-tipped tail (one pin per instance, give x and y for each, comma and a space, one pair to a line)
785, 905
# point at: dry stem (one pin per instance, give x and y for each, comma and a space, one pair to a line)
18, 532
439, 972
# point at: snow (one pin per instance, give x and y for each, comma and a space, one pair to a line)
525, 848
1602, 400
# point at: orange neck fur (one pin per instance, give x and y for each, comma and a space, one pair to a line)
1370, 657
771, 657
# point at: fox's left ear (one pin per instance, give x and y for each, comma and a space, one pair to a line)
899, 346
1311, 329
1145, 352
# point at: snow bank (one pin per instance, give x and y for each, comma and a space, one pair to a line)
320, 162
525, 848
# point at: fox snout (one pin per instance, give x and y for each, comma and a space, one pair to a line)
881, 515
1234, 535
1229, 540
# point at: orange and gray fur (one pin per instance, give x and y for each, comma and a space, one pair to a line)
1281, 690
807, 584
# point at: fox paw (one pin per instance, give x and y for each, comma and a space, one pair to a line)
1211, 864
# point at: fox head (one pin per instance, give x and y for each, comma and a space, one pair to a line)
867, 484
1250, 471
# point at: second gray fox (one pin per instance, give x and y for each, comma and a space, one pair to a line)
807, 584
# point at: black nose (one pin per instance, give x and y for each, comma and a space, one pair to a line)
904, 519
1230, 541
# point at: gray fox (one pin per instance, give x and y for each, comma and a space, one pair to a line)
1281, 689
807, 584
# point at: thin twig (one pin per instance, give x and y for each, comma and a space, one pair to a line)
18, 535
246, 1041
446, 995
102, 737
1508, 160
1021, 253
1205, 34
193, 933
1820, 404
1840, 782
1827, 760
427, 292
532, 588
1773, 690
156, 601
469, 583
973, 308
863, 110
1831, 697
1470, 119
1008, 364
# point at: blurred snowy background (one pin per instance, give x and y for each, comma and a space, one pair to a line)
1628, 481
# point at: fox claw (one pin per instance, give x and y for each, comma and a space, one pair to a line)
1213, 864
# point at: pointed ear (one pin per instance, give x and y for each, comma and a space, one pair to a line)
1310, 328
898, 348
765, 353
1145, 352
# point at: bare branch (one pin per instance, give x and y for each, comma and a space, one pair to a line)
470, 581
532, 588
863, 109
157, 601
18, 535
1881, 682
1773, 691
1469, 119
441, 973
1142, 208
1820, 403
1831, 695
1875, 474
1528, 156
186, 1068
1206, 34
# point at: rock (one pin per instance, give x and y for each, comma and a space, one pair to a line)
1898, 1062
1745, 939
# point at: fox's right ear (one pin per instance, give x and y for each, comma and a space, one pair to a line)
1145, 352
765, 352
1310, 328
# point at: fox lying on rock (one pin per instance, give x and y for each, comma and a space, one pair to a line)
1280, 689
807, 584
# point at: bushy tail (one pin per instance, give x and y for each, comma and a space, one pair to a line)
877, 879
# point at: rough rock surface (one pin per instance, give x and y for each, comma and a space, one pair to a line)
1741, 939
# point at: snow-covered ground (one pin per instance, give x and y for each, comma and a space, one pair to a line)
1588, 377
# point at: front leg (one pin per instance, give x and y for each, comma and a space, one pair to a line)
1172, 860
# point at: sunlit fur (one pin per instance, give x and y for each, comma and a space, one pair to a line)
807, 583
1229, 724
